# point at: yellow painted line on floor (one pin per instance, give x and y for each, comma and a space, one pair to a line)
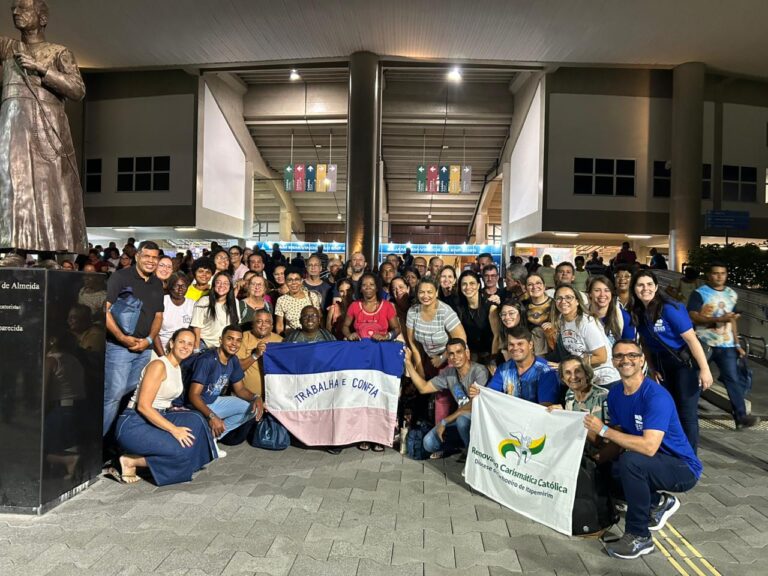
670, 558
694, 551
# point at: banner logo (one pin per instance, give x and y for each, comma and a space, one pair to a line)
523, 446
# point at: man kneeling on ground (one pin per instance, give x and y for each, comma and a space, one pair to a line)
460, 374
657, 455
208, 376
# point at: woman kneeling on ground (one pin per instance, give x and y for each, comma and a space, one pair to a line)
172, 443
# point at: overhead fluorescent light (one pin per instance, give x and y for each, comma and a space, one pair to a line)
454, 75
639, 236
185, 229
567, 234
124, 229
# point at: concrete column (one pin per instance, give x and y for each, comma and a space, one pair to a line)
286, 225
481, 230
363, 137
687, 138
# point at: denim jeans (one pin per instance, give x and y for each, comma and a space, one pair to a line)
122, 373
641, 477
233, 410
459, 427
727, 362
683, 384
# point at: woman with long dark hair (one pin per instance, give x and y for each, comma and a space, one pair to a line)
510, 314
579, 334
604, 306
214, 312
672, 350
476, 313
400, 296
337, 311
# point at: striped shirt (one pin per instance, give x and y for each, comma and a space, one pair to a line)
432, 335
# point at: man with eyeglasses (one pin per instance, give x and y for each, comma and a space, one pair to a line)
310, 328
491, 282
252, 350
128, 350
656, 453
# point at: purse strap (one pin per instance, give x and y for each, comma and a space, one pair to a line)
663, 344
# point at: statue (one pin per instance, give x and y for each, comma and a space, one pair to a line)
41, 200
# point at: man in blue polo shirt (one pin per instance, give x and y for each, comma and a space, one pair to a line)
524, 375
207, 377
657, 455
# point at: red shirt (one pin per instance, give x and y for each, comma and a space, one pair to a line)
366, 324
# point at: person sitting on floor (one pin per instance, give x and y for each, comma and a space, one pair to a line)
656, 453
458, 377
209, 375
172, 443
524, 375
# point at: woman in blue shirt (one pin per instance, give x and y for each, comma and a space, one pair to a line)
672, 350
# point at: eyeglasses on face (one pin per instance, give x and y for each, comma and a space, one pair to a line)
565, 299
628, 355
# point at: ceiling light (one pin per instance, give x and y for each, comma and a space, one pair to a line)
318, 145
294, 75
429, 216
339, 216
638, 236
327, 182
763, 247
567, 234
445, 146
454, 75
185, 229
125, 229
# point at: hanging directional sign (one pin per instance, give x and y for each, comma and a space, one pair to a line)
421, 178
432, 180
321, 185
454, 183
332, 173
299, 180
310, 178
444, 179
288, 178
466, 179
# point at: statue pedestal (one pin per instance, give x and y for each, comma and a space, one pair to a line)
52, 386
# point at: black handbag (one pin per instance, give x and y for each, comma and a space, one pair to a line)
683, 356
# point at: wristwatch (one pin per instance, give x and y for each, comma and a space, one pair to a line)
254, 355
211, 415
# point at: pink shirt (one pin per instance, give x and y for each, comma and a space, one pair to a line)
366, 324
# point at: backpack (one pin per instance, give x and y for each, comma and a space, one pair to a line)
414, 442
593, 507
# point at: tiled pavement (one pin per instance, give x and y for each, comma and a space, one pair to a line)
305, 512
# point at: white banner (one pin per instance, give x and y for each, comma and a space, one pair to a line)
525, 457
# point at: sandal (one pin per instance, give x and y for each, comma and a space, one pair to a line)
364, 446
377, 448
115, 474
436, 456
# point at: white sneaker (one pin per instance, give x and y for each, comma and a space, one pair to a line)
221, 453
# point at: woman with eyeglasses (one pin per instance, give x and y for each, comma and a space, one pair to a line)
214, 312
236, 260
579, 334
164, 270
538, 313
604, 306
257, 299
289, 306
177, 313
672, 350
623, 278
510, 314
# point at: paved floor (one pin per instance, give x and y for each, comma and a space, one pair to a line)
305, 512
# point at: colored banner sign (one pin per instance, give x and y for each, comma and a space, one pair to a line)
331, 177
525, 457
321, 175
335, 393
421, 178
466, 180
432, 179
299, 180
444, 178
310, 178
288, 178
454, 182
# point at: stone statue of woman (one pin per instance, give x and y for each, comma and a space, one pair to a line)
41, 200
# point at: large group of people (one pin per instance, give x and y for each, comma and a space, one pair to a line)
604, 340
